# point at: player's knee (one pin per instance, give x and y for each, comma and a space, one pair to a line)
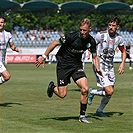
62, 95
110, 92
7, 77
62, 92
84, 91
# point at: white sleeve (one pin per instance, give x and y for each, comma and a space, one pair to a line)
99, 49
98, 37
10, 37
119, 42
98, 42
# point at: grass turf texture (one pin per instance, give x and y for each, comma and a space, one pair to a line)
25, 107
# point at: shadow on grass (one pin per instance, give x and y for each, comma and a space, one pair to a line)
61, 118
9, 104
90, 115
69, 118
109, 114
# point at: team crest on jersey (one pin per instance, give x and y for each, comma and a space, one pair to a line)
88, 45
111, 42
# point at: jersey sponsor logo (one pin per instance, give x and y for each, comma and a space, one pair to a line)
77, 51
88, 45
111, 42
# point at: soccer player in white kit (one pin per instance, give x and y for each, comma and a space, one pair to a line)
107, 42
5, 39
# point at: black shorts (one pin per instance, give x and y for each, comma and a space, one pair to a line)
64, 73
128, 56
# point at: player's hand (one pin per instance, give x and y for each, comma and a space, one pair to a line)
121, 68
16, 49
88, 56
40, 60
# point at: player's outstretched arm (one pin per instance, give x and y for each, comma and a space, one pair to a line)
13, 47
42, 59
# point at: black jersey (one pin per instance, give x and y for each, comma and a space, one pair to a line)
73, 46
128, 48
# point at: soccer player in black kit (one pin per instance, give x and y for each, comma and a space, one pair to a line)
128, 47
69, 64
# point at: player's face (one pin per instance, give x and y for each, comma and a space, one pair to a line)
129, 44
2, 24
112, 27
84, 30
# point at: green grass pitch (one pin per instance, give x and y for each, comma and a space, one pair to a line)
25, 107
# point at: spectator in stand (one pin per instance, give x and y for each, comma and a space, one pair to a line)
31, 35
41, 36
47, 35
17, 28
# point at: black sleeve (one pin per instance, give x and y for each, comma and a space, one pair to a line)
66, 38
93, 45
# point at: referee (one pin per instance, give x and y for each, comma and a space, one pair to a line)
128, 47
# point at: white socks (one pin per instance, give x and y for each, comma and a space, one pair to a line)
105, 99
99, 92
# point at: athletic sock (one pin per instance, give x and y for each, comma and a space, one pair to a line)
1, 80
99, 92
82, 109
130, 64
104, 102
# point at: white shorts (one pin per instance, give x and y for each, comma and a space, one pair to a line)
107, 80
2, 67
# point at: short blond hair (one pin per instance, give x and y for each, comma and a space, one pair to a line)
85, 21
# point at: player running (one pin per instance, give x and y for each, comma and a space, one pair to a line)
70, 65
107, 42
5, 39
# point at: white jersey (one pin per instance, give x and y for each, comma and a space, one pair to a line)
106, 47
5, 38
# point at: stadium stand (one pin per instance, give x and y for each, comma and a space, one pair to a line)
127, 36
22, 41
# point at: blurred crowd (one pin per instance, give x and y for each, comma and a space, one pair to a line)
42, 38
